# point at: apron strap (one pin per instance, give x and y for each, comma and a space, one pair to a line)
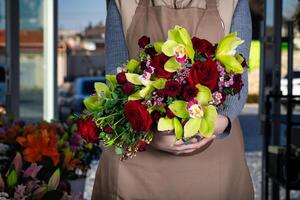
210, 4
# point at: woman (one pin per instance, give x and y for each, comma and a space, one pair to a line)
212, 168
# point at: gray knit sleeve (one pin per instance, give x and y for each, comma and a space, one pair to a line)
116, 52
241, 23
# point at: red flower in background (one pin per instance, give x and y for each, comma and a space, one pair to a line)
189, 92
108, 129
172, 88
138, 116
128, 88
203, 47
87, 129
144, 41
158, 63
238, 83
205, 73
121, 78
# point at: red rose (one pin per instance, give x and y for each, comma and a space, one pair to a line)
88, 129
170, 114
172, 88
160, 93
205, 73
121, 78
144, 41
128, 88
203, 47
108, 129
142, 146
190, 92
138, 116
238, 83
158, 63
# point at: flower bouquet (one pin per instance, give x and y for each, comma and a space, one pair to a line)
176, 85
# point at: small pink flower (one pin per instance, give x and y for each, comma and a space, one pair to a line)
32, 170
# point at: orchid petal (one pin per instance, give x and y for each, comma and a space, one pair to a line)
54, 180
145, 91
158, 47
178, 128
179, 109
208, 121
102, 90
135, 96
231, 64
92, 103
204, 95
168, 47
165, 124
172, 65
192, 127
159, 83
112, 80
134, 78
132, 65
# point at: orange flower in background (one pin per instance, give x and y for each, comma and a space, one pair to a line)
38, 144
69, 162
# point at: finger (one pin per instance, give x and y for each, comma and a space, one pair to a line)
178, 143
196, 145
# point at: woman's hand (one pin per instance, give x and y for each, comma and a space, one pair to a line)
166, 141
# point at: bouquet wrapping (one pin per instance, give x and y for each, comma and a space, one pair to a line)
177, 85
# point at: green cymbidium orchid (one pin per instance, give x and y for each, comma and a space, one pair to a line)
179, 47
226, 53
202, 115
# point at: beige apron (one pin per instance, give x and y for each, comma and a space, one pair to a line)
220, 172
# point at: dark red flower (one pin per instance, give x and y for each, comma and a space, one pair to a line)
142, 146
108, 129
121, 78
205, 73
172, 88
223, 98
170, 114
203, 47
138, 116
158, 63
87, 129
238, 83
128, 88
160, 93
144, 41
156, 116
150, 51
189, 92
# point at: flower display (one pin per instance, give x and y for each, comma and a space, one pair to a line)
177, 85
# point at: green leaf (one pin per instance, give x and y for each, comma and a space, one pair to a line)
54, 180
135, 96
165, 124
112, 80
118, 150
160, 109
92, 103
208, 121
157, 47
179, 109
204, 94
231, 64
172, 65
192, 127
102, 90
12, 178
168, 47
159, 83
132, 65
145, 91
178, 128
133, 78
